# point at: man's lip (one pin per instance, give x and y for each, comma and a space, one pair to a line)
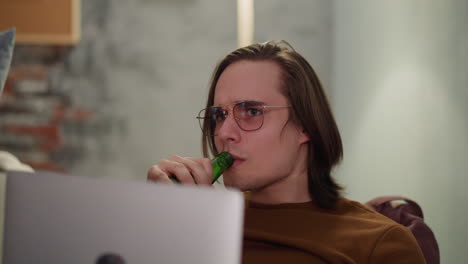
236, 157
237, 162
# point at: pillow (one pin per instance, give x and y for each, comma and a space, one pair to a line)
7, 41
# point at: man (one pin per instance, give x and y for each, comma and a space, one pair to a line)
267, 108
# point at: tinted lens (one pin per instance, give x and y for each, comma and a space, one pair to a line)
217, 114
249, 115
209, 118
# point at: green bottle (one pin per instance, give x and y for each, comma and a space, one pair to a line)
220, 163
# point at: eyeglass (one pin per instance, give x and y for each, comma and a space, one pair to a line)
249, 116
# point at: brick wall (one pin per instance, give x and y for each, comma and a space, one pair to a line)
34, 115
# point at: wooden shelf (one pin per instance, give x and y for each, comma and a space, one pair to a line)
42, 21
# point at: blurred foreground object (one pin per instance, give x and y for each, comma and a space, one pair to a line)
10, 162
7, 41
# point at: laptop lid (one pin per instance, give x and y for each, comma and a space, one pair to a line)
53, 218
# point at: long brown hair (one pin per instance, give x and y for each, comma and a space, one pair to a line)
310, 110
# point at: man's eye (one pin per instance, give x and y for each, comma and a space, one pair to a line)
219, 116
254, 111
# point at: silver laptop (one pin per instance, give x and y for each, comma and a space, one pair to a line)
53, 218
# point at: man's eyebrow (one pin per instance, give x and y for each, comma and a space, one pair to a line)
240, 101
249, 101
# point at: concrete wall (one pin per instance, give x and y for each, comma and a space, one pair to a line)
306, 24
400, 93
154, 60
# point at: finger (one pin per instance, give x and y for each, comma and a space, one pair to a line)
155, 174
207, 165
198, 170
167, 169
179, 170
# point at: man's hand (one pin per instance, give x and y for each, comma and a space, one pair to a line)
185, 170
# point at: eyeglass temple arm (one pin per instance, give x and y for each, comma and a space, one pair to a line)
276, 106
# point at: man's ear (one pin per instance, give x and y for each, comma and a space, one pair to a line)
303, 136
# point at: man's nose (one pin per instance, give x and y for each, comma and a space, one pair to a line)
229, 130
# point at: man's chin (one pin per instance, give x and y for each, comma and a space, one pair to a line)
236, 184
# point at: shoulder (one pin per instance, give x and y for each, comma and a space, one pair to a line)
397, 243
360, 211
391, 240
365, 218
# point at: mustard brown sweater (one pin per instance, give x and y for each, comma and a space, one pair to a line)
304, 233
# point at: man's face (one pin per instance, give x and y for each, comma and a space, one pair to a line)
265, 156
